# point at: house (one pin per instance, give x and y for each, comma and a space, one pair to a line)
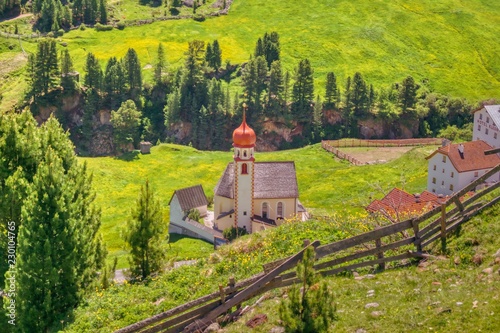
398, 204
454, 166
255, 195
181, 203
486, 125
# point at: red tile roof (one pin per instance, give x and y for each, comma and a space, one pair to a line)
400, 202
473, 157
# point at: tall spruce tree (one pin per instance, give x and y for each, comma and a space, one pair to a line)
146, 230
303, 91
331, 91
68, 81
93, 73
133, 74
46, 67
49, 196
254, 80
161, 65
274, 100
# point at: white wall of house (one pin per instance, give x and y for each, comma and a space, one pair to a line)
176, 215
223, 205
442, 176
485, 129
444, 179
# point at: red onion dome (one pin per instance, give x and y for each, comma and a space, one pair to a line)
244, 135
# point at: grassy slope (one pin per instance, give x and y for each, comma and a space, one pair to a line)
411, 299
170, 167
451, 43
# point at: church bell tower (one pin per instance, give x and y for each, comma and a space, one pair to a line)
244, 144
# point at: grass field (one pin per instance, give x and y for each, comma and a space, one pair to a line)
452, 44
117, 181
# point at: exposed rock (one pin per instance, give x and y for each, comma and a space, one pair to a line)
214, 327
376, 314
277, 329
105, 117
360, 330
459, 303
371, 305
102, 142
488, 270
71, 103
497, 254
477, 259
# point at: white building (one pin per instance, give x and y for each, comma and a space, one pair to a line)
452, 167
255, 195
487, 124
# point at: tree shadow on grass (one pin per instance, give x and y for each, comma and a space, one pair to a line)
129, 156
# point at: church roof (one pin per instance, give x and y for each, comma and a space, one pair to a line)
272, 180
244, 135
472, 158
190, 197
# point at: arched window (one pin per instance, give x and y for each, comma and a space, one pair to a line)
279, 209
244, 170
244, 153
265, 209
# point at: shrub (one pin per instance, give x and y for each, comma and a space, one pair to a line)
120, 25
194, 214
232, 233
310, 306
199, 17
103, 27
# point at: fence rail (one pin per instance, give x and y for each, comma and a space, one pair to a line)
377, 247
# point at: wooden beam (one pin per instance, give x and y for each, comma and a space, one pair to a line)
492, 151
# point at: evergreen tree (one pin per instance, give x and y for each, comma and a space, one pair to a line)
114, 82
303, 91
274, 101
217, 55
161, 65
172, 109
318, 119
331, 91
103, 14
360, 100
145, 233
254, 80
272, 47
68, 82
93, 73
133, 74
259, 49
408, 94
126, 121
58, 251
46, 67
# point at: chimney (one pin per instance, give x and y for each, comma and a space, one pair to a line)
417, 197
445, 142
461, 150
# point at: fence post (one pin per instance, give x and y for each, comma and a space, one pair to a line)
443, 227
380, 255
417, 236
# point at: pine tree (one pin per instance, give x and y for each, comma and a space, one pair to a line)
133, 74
46, 67
93, 73
359, 96
274, 102
145, 234
51, 195
216, 55
254, 80
303, 91
160, 65
272, 47
331, 95
103, 14
68, 82
408, 93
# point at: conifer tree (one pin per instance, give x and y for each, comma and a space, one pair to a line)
126, 121
103, 14
145, 233
46, 67
161, 65
93, 73
216, 55
303, 91
133, 74
331, 91
68, 82
274, 102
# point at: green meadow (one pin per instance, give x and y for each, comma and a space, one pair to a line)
453, 45
327, 185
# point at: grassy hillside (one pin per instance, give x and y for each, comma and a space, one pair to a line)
450, 43
326, 185
448, 294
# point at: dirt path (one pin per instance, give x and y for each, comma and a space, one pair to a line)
17, 17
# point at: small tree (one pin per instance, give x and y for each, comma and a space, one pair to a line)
145, 233
309, 307
126, 122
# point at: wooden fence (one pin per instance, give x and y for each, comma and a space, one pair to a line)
333, 146
391, 243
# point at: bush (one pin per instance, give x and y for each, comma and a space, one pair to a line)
83, 27
103, 27
59, 32
199, 17
310, 306
120, 25
232, 233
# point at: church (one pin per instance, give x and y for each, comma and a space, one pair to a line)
255, 195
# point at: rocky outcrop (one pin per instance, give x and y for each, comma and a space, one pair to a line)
373, 128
